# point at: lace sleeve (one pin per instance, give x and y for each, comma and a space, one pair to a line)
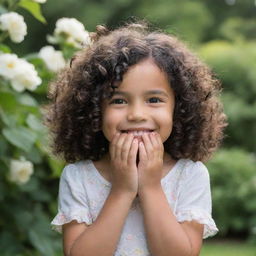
194, 198
72, 203
202, 217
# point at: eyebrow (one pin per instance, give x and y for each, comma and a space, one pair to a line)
158, 92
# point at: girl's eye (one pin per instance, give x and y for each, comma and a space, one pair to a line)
154, 100
117, 101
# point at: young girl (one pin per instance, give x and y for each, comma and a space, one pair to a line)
135, 116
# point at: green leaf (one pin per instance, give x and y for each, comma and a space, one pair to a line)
3, 10
5, 49
68, 50
34, 155
8, 120
41, 196
3, 148
41, 242
30, 186
26, 99
34, 123
20, 137
23, 217
40, 234
56, 166
8, 101
34, 8
9, 243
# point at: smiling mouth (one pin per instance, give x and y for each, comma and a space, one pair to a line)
137, 133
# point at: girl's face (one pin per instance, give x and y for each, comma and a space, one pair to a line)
143, 102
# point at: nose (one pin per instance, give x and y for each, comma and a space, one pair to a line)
136, 113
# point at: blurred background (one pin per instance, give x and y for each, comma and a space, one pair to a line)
221, 32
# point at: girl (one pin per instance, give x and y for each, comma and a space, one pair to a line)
135, 116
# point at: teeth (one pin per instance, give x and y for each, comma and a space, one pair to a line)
138, 133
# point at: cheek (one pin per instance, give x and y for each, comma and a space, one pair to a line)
110, 122
166, 124
111, 118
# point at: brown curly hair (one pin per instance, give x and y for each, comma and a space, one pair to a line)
74, 113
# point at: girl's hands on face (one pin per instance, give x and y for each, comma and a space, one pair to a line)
151, 153
123, 151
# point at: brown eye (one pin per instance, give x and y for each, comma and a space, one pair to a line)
117, 101
154, 100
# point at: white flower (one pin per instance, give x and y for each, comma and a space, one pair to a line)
26, 78
20, 171
40, 1
19, 72
9, 64
15, 25
73, 31
53, 59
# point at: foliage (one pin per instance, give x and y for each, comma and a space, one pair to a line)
227, 248
29, 174
233, 180
224, 36
176, 17
237, 29
235, 65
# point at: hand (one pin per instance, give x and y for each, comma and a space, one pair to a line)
150, 167
124, 174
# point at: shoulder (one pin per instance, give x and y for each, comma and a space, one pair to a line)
74, 171
192, 170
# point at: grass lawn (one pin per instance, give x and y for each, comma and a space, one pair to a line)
227, 248
214, 247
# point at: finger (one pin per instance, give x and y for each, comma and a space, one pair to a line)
159, 144
147, 143
154, 140
159, 139
142, 152
126, 146
119, 145
133, 152
112, 144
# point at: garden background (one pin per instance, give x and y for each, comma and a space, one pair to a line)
222, 32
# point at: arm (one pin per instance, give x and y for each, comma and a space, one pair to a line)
101, 238
97, 239
165, 235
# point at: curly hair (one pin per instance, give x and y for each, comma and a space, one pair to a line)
74, 112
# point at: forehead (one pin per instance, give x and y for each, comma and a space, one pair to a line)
145, 76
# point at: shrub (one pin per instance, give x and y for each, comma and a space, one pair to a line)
233, 180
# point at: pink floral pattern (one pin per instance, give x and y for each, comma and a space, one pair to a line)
83, 192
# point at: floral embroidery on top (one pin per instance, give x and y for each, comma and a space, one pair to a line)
138, 251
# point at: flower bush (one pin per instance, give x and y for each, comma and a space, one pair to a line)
19, 72
53, 59
20, 171
15, 25
29, 174
72, 31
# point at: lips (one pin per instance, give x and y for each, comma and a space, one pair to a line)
137, 132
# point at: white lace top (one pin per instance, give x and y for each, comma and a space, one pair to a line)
83, 191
